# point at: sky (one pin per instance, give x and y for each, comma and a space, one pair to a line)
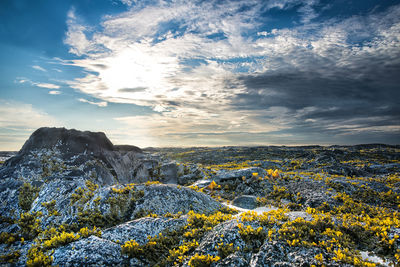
202, 73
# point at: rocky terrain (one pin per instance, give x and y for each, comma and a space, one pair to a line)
72, 198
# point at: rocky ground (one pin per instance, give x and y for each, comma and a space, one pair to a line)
72, 198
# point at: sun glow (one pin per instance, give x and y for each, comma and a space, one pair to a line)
135, 73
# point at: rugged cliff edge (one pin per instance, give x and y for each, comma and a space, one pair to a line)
72, 198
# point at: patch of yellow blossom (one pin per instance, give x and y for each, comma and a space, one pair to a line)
202, 260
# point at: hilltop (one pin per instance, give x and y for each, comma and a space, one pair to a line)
73, 198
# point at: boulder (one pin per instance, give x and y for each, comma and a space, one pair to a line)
245, 202
224, 175
161, 199
91, 251
141, 228
278, 253
169, 173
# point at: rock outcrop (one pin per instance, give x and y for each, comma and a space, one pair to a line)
57, 152
72, 198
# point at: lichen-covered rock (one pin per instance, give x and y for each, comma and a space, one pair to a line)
276, 253
245, 202
140, 229
9, 192
169, 173
224, 175
91, 251
161, 199
226, 233
236, 259
313, 192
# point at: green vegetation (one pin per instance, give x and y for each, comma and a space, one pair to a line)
175, 246
29, 224
10, 257
202, 260
27, 194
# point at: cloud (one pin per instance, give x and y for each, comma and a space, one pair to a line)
43, 85
36, 67
197, 66
47, 85
100, 104
76, 35
18, 120
54, 92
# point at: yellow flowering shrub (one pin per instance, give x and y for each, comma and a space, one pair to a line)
224, 250
202, 260
36, 258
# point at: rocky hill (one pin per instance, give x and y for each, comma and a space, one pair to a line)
72, 198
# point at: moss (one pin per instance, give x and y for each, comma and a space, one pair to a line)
27, 194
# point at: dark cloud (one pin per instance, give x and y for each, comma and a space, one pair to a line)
132, 90
100, 66
364, 96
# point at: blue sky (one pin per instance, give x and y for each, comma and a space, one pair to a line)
179, 73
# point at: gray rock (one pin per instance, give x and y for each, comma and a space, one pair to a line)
245, 202
91, 251
224, 175
161, 199
236, 259
313, 192
277, 253
226, 232
293, 215
141, 228
58, 152
169, 173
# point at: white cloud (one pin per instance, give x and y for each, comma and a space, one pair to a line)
17, 114
36, 67
133, 50
100, 104
18, 120
76, 37
47, 85
43, 85
54, 92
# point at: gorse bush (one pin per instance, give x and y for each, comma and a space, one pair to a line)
27, 194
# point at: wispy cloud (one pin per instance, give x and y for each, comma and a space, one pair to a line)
47, 85
18, 120
195, 65
38, 84
100, 104
54, 92
36, 67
